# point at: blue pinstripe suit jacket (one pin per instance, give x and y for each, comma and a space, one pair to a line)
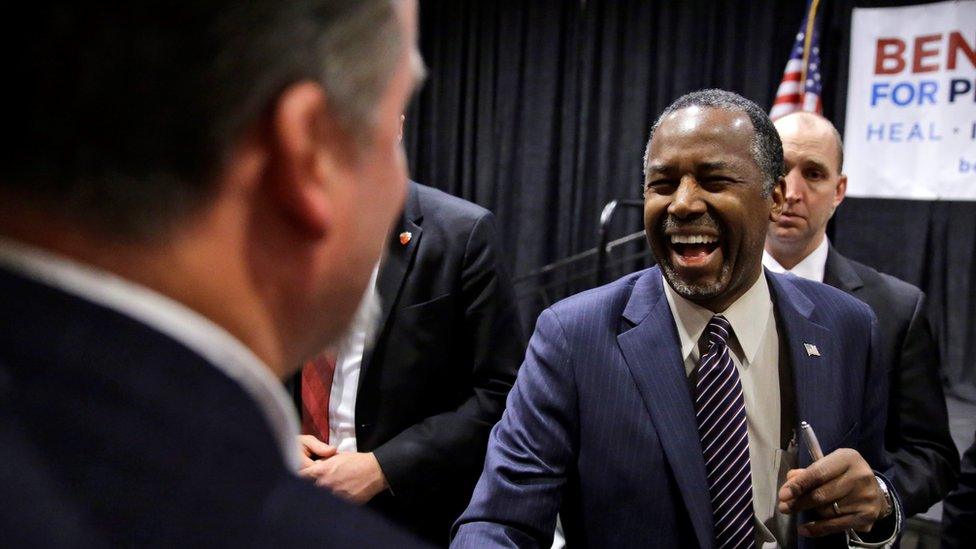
600, 424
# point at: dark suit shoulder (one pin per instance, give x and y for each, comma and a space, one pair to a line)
601, 304
443, 207
882, 289
298, 514
156, 433
831, 305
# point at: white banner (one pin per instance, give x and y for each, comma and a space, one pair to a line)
911, 102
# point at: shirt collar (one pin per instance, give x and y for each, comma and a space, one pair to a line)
748, 316
812, 267
199, 334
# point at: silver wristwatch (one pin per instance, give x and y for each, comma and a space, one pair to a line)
890, 507
889, 504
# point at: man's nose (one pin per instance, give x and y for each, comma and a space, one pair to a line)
687, 200
795, 187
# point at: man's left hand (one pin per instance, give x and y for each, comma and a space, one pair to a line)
353, 476
312, 449
842, 477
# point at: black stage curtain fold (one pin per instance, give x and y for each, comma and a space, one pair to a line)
539, 110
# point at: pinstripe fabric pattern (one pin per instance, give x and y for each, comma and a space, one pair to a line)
601, 426
721, 413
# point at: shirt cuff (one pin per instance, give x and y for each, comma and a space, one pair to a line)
886, 530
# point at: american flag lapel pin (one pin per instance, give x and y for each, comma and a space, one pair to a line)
405, 237
811, 349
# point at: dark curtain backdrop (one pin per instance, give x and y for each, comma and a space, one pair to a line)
539, 110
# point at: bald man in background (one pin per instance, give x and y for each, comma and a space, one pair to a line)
917, 433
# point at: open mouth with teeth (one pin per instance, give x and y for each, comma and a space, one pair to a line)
693, 250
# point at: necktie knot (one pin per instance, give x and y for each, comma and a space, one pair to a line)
718, 331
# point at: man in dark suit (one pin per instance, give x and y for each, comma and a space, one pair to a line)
663, 409
435, 378
196, 198
959, 507
917, 432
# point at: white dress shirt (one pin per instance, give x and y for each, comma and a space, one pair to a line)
755, 352
345, 380
160, 313
811, 267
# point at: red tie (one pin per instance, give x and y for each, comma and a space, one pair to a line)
316, 388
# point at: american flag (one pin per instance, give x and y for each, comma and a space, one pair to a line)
801, 85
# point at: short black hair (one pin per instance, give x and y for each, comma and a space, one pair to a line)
125, 112
767, 148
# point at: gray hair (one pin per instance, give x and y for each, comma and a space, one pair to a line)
767, 149
128, 112
359, 52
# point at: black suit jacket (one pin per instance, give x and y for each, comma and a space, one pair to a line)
917, 432
136, 440
445, 356
959, 508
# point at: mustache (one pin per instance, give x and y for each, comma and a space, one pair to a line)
704, 221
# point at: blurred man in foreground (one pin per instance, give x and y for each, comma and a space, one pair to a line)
917, 431
194, 203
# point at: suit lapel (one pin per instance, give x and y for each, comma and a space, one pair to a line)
394, 267
651, 350
839, 273
815, 378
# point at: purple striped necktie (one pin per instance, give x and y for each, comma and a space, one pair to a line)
721, 412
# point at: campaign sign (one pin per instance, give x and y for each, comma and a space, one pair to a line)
911, 102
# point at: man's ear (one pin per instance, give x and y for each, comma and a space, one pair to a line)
841, 190
778, 196
306, 144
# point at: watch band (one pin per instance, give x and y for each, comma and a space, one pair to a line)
889, 505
